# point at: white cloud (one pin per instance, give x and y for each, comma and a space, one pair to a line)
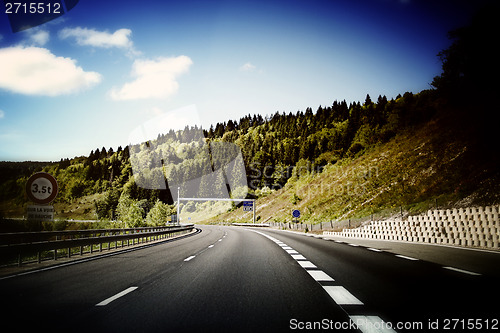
90, 37
247, 67
36, 71
39, 37
153, 78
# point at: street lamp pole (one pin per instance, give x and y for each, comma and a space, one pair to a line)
178, 201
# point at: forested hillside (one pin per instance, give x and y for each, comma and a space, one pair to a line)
295, 147
271, 148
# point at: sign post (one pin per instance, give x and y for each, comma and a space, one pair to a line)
248, 206
296, 215
249, 203
41, 189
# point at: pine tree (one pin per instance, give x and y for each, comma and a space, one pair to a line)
206, 186
237, 177
368, 100
219, 189
103, 153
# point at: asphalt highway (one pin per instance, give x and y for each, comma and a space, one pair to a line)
235, 279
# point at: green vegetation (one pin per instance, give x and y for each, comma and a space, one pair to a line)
341, 161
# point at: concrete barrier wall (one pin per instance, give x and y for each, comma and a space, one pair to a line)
471, 227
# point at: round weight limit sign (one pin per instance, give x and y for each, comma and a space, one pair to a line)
41, 188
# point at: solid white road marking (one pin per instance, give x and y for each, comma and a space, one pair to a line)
211, 246
352, 244
189, 258
112, 298
371, 324
342, 296
405, 257
461, 270
306, 264
319, 275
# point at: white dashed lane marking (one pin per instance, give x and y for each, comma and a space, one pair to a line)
298, 257
209, 247
319, 275
370, 323
306, 264
115, 297
461, 270
406, 257
410, 258
340, 295
374, 250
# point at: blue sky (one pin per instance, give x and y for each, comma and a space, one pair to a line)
89, 78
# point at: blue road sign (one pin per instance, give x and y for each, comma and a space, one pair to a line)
247, 206
296, 213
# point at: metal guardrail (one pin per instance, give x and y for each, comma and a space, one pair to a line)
38, 236
15, 247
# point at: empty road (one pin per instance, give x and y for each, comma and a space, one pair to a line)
234, 279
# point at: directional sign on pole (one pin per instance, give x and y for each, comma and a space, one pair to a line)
247, 206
